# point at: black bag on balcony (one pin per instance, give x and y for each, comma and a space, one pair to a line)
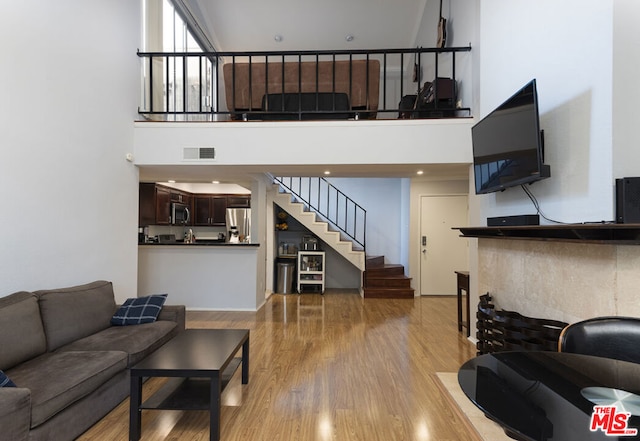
406, 106
425, 104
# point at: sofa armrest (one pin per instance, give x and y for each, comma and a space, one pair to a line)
174, 313
15, 413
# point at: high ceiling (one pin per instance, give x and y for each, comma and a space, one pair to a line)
309, 24
256, 25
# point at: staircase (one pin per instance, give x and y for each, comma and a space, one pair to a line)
385, 281
318, 227
380, 280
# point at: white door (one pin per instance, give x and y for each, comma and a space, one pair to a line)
442, 251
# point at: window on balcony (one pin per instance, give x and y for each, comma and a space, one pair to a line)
173, 83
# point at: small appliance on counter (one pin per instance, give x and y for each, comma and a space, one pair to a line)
166, 238
239, 225
143, 234
234, 235
309, 243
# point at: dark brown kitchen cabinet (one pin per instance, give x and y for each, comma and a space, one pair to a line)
154, 205
180, 197
206, 209
163, 206
210, 210
239, 201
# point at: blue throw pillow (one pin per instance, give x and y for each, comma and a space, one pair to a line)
6, 381
139, 310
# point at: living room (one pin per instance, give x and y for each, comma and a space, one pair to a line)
586, 147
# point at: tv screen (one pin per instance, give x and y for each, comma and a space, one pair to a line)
507, 144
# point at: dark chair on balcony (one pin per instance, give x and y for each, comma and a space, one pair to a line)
611, 337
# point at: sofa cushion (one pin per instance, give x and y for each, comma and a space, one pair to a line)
59, 379
6, 381
139, 310
21, 329
137, 341
76, 312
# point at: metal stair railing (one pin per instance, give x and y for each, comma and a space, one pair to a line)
331, 204
190, 86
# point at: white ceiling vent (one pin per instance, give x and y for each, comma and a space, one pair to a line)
198, 153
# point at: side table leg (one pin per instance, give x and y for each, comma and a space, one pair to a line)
135, 413
459, 309
214, 410
245, 361
468, 313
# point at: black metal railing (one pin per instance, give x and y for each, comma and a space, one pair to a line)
331, 204
256, 85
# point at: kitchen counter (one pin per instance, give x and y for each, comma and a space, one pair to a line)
206, 243
204, 275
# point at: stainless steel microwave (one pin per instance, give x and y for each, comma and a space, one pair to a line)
180, 214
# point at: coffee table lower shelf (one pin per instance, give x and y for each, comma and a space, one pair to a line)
188, 393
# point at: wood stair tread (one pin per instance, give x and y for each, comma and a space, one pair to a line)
386, 280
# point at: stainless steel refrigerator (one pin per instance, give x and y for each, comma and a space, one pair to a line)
240, 218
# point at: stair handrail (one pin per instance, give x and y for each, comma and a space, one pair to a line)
339, 210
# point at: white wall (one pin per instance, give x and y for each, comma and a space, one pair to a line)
69, 93
626, 93
567, 47
384, 200
271, 144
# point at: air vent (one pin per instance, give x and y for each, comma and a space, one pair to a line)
196, 153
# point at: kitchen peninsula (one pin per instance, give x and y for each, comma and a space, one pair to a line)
204, 275
195, 245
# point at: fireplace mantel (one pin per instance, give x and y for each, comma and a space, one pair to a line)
595, 233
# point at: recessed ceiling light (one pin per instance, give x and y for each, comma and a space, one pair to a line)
349, 37
171, 181
277, 38
327, 172
419, 172
215, 182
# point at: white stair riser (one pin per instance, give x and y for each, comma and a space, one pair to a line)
321, 229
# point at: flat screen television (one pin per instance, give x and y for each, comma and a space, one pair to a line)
508, 144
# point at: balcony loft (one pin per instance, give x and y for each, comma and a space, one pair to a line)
380, 84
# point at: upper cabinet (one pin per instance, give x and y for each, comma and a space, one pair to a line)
206, 209
238, 201
210, 210
154, 205
181, 197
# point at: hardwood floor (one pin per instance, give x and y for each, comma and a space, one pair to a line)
333, 367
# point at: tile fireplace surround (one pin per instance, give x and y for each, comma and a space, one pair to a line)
560, 280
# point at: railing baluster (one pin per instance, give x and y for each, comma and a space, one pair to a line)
184, 84
151, 83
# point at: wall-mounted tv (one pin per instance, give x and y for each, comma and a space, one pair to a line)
508, 144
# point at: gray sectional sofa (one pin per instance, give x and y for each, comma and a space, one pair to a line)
68, 362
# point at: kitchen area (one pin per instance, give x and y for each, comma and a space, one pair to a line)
195, 245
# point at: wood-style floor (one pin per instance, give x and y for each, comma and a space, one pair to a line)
333, 367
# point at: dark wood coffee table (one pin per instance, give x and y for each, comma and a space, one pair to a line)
200, 363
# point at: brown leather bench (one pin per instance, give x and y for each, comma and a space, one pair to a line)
358, 79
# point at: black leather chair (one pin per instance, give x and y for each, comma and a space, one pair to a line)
611, 337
